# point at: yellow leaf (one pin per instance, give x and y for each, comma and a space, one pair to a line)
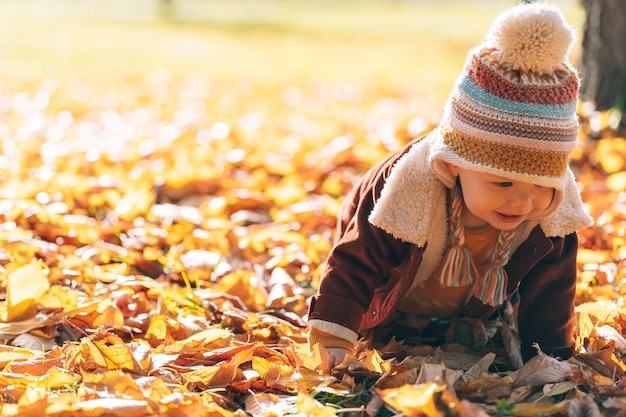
311, 408
58, 377
115, 356
273, 372
585, 326
591, 256
242, 284
54, 378
113, 382
213, 376
207, 339
312, 358
373, 362
25, 286
10, 353
600, 312
413, 400
161, 330
101, 351
60, 297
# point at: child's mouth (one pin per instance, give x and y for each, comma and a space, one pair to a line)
509, 218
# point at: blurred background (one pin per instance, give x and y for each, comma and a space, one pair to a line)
392, 44
230, 84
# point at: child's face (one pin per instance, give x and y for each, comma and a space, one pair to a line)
499, 201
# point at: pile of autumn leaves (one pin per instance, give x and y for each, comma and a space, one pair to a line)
157, 263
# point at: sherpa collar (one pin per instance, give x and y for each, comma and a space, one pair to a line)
411, 204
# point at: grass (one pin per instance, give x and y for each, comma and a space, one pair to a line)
392, 44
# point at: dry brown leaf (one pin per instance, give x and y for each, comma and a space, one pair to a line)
398, 377
542, 369
489, 385
536, 408
605, 362
610, 335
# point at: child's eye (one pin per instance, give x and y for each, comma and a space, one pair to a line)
504, 184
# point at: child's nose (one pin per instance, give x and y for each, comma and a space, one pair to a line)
522, 199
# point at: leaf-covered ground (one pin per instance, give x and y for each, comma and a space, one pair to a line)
162, 232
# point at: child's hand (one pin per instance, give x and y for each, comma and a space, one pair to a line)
337, 355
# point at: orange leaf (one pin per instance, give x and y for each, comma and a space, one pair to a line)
33, 402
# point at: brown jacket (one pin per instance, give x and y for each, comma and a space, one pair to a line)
392, 233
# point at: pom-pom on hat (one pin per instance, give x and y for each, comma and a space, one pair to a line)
512, 111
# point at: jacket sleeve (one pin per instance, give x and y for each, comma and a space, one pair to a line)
360, 261
546, 310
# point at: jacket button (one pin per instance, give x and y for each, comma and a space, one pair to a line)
374, 313
533, 249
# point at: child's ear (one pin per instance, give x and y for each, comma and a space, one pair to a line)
454, 170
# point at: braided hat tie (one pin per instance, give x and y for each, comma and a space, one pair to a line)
457, 266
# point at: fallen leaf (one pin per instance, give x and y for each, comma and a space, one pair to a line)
540, 370
24, 288
310, 407
413, 400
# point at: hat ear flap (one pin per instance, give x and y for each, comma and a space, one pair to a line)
454, 169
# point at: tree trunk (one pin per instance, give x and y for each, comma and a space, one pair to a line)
603, 68
166, 9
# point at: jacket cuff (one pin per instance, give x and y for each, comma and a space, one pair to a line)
345, 312
328, 340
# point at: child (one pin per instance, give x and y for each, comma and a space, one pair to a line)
481, 211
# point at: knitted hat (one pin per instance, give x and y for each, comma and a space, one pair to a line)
512, 111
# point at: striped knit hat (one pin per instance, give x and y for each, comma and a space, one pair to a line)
512, 111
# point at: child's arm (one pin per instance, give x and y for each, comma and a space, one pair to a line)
547, 292
360, 262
